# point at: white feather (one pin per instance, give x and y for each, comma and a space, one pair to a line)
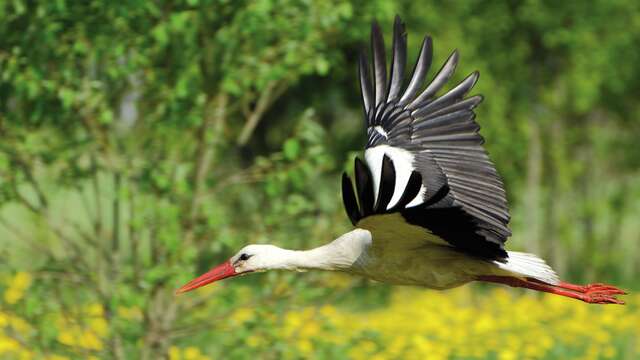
419, 199
403, 164
529, 265
381, 131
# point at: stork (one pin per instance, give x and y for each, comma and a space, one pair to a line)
429, 208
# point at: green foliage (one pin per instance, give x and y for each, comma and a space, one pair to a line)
143, 142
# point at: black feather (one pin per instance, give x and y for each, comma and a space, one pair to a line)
365, 84
387, 184
419, 71
452, 96
457, 227
379, 65
414, 184
364, 186
467, 104
438, 81
349, 200
439, 195
398, 60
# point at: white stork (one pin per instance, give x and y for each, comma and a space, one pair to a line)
429, 208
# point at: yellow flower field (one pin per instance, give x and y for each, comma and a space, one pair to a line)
466, 323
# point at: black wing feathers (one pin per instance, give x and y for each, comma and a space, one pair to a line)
349, 200
466, 105
387, 184
362, 206
364, 187
452, 96
458, 227
410, 191
365, 85
439, 195
419, 71
398, 60
379, 65
437, 83
441, 134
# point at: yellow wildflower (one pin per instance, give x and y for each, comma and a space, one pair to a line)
254, 341
241, 315
508, 355
129, 313
99, 326
12, 296
17, 286
328, 311
94, 310
19, 325
89, 340
4, 319
8, 345
174, 353
191, 353
305, 347
67, 338
22, 280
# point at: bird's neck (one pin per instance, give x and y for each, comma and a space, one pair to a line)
341, 254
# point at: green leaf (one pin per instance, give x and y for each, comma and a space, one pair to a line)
66, 96
160, 33
291, 149
322, 66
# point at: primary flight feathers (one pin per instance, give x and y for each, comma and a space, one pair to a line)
425, 150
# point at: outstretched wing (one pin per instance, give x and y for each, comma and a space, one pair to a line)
424, 157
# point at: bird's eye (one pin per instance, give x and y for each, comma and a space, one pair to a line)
244, 257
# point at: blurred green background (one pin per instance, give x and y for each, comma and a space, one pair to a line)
142, 142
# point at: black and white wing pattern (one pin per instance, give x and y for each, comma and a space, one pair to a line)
424, 157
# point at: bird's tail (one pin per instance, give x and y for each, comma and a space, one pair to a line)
531, 272
530, 266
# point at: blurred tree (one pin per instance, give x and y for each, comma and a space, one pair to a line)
119, 132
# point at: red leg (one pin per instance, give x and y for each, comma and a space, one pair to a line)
604, 295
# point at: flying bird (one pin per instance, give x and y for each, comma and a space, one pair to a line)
428, 207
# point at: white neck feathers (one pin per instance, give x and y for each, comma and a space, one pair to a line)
340, 254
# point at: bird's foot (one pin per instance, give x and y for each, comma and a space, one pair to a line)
599, 298
597, 288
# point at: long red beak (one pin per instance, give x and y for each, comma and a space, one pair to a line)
219, 272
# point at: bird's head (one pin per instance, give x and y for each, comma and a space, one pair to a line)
250, 259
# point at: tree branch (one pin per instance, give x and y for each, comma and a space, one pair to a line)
115, 231
42, 199
271, 93
209, 136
